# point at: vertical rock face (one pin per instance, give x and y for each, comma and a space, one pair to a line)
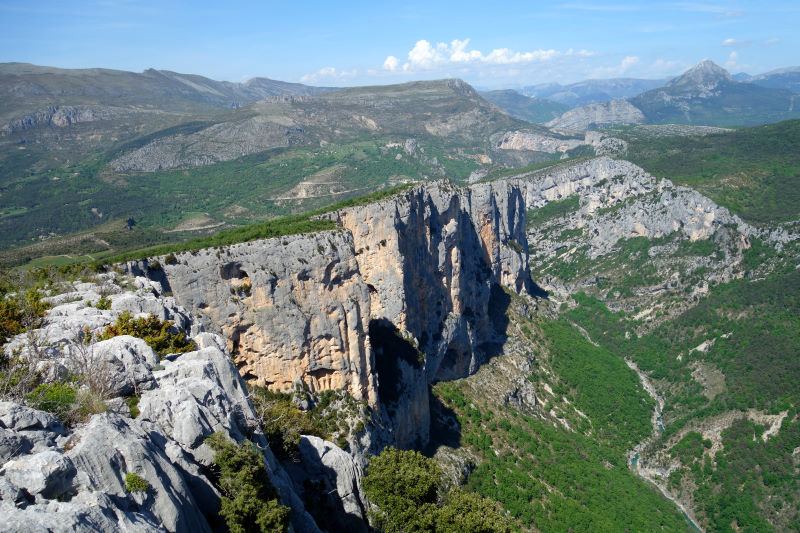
399, 298
430, 258
290, 308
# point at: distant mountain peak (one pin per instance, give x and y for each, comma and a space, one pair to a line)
706, 75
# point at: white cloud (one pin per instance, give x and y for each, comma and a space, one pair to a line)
391, 63
628, 62
425, 56
732, 61
729, 14
328, 73
736, 42
741, 43
663, 68
624, 65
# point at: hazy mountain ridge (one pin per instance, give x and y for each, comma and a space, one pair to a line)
27, 85
538, 110
706, 94
591, 91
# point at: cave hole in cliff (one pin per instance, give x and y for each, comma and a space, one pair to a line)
391, 351
230, 271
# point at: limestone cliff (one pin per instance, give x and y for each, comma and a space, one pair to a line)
520, 140
321, 308
289, 308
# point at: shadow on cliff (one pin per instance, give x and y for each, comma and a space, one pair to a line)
316, 484
445, 428
152, 270
535, 290
390, 349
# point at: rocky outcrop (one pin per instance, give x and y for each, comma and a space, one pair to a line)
518, 140
220, 142
63, 116
605, 144
632, 203
330, 482
614, 113
67, 479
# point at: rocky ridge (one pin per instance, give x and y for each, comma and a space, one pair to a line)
613, 113
517, 140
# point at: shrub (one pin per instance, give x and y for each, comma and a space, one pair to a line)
10, 320
103, 303
87, 404
170, 259
135, 483
157, 334
133, 405
55, 398
249, 502
406, 487
282, 422
21, 313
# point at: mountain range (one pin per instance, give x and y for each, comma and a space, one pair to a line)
705, 95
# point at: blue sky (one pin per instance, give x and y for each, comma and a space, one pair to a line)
489, 44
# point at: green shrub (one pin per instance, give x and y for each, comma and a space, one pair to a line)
10, 319
135, 483
282, 422
406, 487
170, 259
467, 511
133, 405
157, 334
249, 502
55, 398
22, 312
103, 303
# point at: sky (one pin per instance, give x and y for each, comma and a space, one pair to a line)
507, 44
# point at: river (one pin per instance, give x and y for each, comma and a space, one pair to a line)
649, 474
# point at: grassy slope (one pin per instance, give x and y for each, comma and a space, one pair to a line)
548, 477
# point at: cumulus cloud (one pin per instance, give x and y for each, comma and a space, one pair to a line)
328, 73
391, 63
425, 56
